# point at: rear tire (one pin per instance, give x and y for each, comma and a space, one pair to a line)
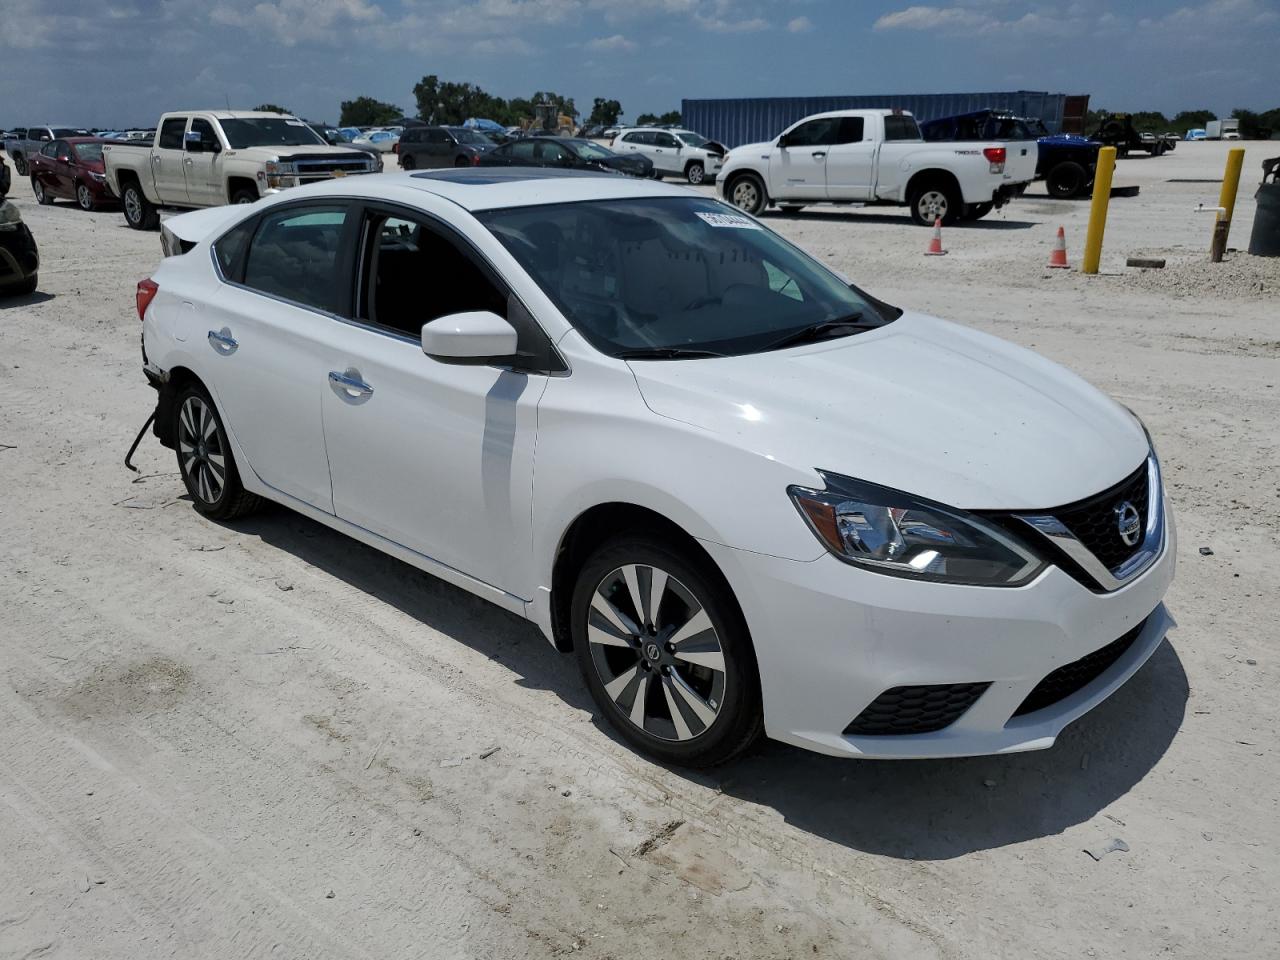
205, 460
1066, 180
26, 287
406, 163
42, 195
935, 199
695, 703
746, 192
20, 165
695, 173
138, 210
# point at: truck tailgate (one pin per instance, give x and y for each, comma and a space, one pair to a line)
1020, 162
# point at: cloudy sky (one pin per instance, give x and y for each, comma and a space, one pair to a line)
123, 62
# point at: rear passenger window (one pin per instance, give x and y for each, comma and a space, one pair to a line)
229, 249
850, 130
171, 133
901, 128
294, 255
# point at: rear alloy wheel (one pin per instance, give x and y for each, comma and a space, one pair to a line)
665, 654
935, 200
747, 193
205, 460
42, 196
138, 211
84, 197
695, 173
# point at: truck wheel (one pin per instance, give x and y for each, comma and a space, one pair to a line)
746, 192
244, 195
20, 165
1066, 180
695, 173
406, 163
462, 162
42, 195
933, 200
138, 210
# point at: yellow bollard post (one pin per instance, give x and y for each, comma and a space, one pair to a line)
1098, 210
1227, 201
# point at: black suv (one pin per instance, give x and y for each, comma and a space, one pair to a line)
424, 147
566, 153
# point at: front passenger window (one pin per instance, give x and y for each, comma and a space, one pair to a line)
294, 255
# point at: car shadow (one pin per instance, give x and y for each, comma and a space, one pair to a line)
916, 809
24, 300
857, 215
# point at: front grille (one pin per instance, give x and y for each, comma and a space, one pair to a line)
905, 710
310, 170
1077, 675
1094, 521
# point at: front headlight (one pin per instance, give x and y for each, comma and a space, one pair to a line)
895, 533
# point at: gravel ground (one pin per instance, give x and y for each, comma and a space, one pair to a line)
267, 740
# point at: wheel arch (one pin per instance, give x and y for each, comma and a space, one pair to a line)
596, 525
236, 184
931, 176
738, 175
179, 379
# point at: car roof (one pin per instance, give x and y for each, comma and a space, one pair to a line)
490, 188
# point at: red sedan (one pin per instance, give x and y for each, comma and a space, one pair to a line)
71, 169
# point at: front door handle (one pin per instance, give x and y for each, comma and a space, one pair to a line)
222, 341
818, 153
349, 382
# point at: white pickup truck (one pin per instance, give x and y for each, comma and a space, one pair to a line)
876, 157
205, 158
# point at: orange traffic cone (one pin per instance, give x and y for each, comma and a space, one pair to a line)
1058, 259
935, 245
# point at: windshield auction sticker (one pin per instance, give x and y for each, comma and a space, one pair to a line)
733, 221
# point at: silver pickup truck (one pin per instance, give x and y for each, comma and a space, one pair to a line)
20, 148
205, 158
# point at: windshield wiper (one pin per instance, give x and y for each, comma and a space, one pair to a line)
666, 353
841, 326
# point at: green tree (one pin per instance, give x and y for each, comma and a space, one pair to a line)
272, 108
1257, 126
368, 112
605, 111
646, 120
1186, 119
654, 119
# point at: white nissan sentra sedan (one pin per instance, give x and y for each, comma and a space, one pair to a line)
747, 495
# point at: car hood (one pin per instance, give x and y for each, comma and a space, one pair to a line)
920, 405
306, 150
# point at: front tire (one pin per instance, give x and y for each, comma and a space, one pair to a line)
43, 197
933, 200
406, 163
84, 197
138, 210
205, 460
665, 652
1066, 180
747, 193
20, 165
244, 195
695, 173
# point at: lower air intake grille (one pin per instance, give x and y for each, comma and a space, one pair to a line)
905, 710
1074, 676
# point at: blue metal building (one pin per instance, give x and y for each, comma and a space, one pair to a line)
752, 119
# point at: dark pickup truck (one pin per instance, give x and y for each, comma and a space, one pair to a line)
1066, 161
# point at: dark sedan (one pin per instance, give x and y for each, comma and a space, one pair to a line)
426, 148
566, 153
19, 258
71, 169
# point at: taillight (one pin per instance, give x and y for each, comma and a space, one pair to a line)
995, 156
475, 159
395, 147
147, 290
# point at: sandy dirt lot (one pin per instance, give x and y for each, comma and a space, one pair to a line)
265, 740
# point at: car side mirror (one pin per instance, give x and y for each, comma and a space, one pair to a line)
782, 140
474, 338
64, 158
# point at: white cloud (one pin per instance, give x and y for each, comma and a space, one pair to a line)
723, 25
617, 42
800, 25
981, 19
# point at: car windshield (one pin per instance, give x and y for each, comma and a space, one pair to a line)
464, 135
693, 139
268, 132
87, 152
684, 275
590, 151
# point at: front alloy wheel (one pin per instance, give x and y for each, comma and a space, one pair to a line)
84, 197
747, 194
665, 654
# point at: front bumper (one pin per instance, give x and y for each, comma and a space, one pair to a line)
831, 638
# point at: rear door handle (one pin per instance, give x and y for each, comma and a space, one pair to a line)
350, 383
818, 153
222, 341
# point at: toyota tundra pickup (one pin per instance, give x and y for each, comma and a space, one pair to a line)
876, 157
211, 157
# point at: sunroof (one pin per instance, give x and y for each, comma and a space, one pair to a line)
480, 176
